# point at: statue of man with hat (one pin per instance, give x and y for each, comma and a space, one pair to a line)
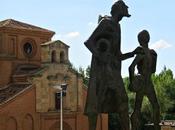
106, 91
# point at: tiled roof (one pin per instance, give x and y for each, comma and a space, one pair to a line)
11, 91
11, 23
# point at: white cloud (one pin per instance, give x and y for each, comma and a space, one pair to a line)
161, 44
72, 35
57, 37
69, 35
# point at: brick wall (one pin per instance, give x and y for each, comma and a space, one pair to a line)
20, 112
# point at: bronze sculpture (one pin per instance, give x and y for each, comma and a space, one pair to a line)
106, 92
141, 83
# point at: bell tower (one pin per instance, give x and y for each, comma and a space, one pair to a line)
55, 52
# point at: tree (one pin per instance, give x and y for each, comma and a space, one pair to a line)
85, 74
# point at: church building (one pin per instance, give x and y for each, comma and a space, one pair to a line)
32, 66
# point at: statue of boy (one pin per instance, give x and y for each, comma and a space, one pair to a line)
141, 83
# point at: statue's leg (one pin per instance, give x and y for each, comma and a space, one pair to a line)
135, 121
156, 109
92, 118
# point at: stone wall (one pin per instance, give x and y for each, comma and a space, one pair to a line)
56, 49
57, 74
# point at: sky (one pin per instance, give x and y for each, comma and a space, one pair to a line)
74, 21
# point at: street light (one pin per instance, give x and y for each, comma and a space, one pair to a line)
62, 89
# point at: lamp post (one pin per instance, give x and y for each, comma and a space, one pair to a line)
62, 90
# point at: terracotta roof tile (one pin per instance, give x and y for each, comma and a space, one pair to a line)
11, 91
11, 23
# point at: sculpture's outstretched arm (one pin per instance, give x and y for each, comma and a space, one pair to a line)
126, 55
138, 51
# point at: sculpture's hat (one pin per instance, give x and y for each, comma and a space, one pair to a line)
121, 7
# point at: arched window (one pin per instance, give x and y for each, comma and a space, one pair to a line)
62, 57
28, 123
11, 124
53, 56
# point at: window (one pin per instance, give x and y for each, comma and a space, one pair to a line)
57, 100
11, 124
53, 56
28, 48
28, 123
62, 56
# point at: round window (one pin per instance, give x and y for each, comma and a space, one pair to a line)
28, 48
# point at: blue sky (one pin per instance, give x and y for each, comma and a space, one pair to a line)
74, 20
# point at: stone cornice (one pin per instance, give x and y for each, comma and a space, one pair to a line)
26, 32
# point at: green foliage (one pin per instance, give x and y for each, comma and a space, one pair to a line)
169, 117
72, 67
165, 87
88, 72
85, 73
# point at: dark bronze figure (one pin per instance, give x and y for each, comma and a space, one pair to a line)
106, 92
141, 83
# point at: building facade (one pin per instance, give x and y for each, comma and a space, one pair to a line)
31, 65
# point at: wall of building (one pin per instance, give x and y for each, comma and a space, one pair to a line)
12, 52
45, 91
71, 121
19, 113
51, 121
42, 95
5, 72
12, 45
1, 38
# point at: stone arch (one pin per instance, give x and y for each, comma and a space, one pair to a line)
56, 126
28, 123
11, 124
53, 56
62, 57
